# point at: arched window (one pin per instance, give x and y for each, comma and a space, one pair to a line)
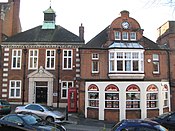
165, 94
152, 96
111, 96
133, 97
93, 96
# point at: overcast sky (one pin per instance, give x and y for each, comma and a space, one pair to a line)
95, 15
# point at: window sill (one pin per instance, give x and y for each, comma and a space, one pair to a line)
126, 76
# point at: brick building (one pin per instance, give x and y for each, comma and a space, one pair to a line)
9, 22
40, 64
125, 75
166, 39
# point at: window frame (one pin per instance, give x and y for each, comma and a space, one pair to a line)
133, 90
152, 91
65, 88
117, 35
50, 57
15, 88
18, 58
112, 97
95, 63
33, 59
156, 62
119, 57
125, 36
133, 36
93, 101
67, 59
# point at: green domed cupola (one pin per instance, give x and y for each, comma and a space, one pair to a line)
49, 19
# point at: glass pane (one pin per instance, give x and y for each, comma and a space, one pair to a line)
119, 65
17, 92
17, 84
128, 65
111, 65
64, 94
12, 92
135, 65
12, 84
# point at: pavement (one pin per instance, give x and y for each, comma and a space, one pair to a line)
76, 122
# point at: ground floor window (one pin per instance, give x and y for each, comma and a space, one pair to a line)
93, 96
152, 96
15, 89
111, 97
165, 94
133, 97
64, 88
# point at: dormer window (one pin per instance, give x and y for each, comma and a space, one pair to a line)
117, 35
124, 35
132, 36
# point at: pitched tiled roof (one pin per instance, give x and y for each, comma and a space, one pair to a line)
37, 34
100, 39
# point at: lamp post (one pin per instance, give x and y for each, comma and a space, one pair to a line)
24, 74
58, 90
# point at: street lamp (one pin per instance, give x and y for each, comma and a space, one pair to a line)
58, 90
24, 74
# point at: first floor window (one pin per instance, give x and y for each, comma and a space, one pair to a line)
93, 96
155, 63
65, 86
126, 61
16, 58
67, 59
95, 66
15, 89
50, 59
33, 59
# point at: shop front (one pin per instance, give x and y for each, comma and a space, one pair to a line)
114, 101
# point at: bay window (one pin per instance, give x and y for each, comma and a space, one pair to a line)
125, 61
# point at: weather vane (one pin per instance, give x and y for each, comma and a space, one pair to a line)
50, 2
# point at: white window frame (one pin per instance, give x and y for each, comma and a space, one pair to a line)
67, 59
95, 60
15, 88
18, 57
65, 88
117, 35
156, 60
50, 57
93, 102
133, 36
123, 59
33, 57
152, 100
124, 35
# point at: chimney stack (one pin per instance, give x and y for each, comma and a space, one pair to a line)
81, 32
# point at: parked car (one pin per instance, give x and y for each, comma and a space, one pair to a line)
43, 111
5, 107
138, 125
28, 122
166, 119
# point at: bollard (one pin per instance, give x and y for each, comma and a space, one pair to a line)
66, 113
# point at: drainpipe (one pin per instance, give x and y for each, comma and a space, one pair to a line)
24, 74
58, 90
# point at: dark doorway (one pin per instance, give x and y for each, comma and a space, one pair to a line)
41, 92
41, 95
